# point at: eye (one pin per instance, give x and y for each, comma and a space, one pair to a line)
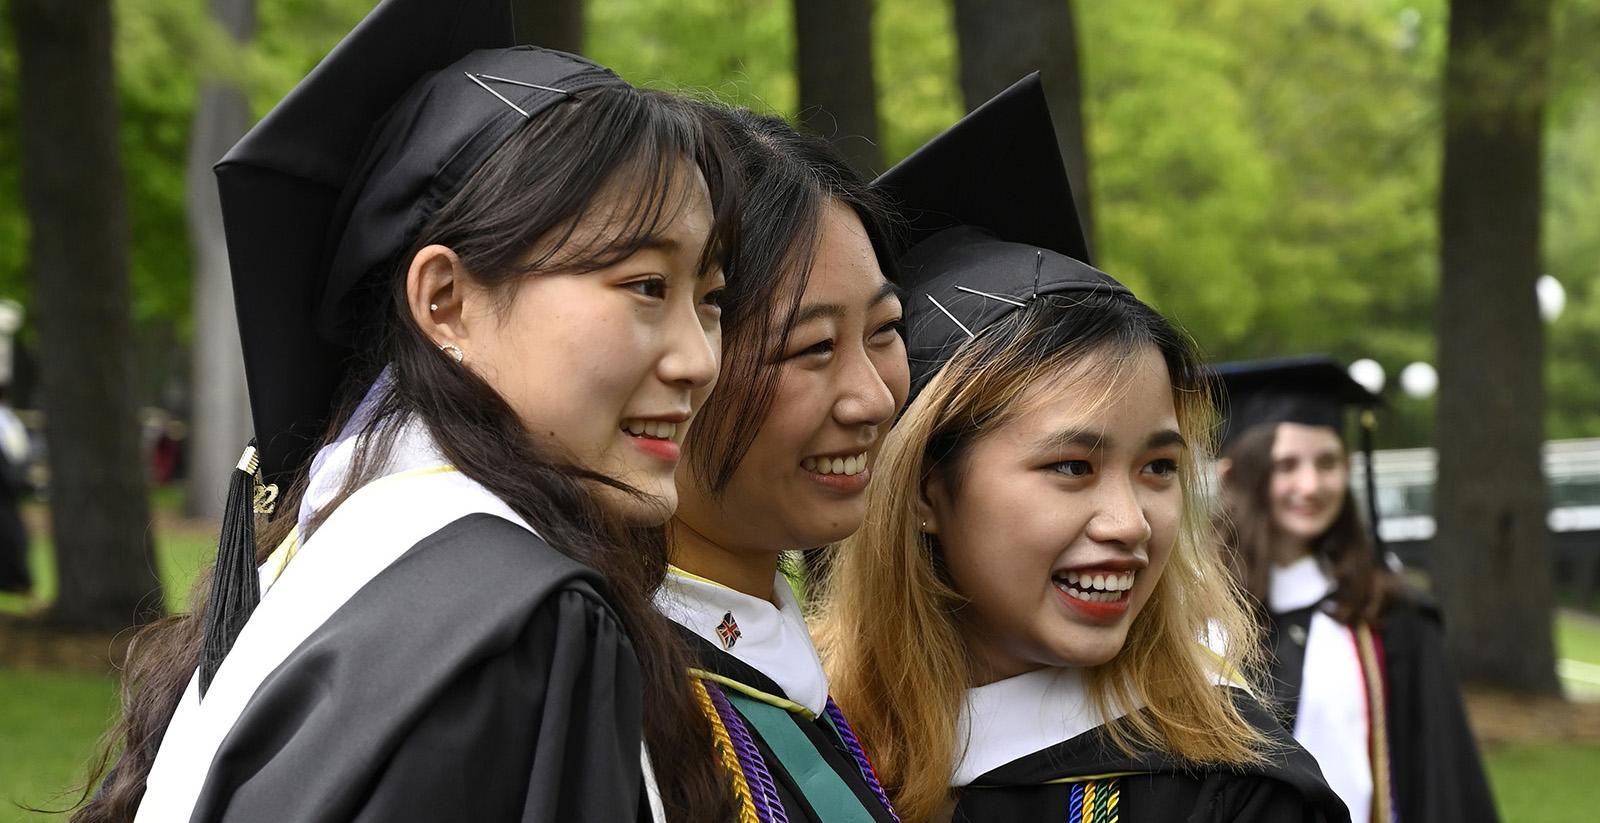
653, 287
1163, 467
1073, 468
819, 349
896, 327
714, 298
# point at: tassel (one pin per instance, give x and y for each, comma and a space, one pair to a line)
235, 587
1369, 423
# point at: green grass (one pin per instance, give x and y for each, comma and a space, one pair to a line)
180, 554
1578, 640
49, 726
1544, 783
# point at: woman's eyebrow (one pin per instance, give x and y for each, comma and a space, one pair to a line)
886, 291
834, 311
1090, 441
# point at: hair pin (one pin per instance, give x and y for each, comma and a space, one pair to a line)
959, 324
1000, 297
480, 78
1038, 266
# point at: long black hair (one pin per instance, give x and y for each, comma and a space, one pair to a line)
789, 177
541, 184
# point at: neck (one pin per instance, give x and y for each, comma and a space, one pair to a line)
1288, 550
746, 571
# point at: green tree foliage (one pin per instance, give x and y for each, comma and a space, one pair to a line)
1266, 172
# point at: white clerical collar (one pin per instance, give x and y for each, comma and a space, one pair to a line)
772, 639
1020, 715
1298, 585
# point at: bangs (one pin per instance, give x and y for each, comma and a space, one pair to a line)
652, 175
588, 185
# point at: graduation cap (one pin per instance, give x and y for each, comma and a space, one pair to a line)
332, 186
322, 197
1310, 390
992, 226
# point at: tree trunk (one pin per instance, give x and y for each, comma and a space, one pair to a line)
1002, 40
833, 60
1491, 554
554, 24
220, 409
73, 190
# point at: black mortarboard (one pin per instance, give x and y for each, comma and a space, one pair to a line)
326, 193
1309, 389
992, 226
1312, 390
335, 182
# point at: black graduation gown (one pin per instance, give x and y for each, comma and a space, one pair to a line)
14, 573
479, 677
828, 746
1435, 769
1286, 789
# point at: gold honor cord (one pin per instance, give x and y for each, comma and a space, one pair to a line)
1377, 724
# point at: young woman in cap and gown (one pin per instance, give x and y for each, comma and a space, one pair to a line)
814, 369
477, 294
1357, 660
1031, 625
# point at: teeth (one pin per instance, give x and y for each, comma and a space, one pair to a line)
835, 465
658, 429
1096, 588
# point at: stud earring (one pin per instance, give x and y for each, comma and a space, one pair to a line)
924, 525
454, 352
432, 307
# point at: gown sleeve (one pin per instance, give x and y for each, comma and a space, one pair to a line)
545, 732
1438, 775
480, 677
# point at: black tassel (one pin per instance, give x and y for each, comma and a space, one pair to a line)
235, 586
1369, 422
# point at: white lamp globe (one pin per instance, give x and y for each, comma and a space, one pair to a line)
1419, 380
1552, 297
1368, 373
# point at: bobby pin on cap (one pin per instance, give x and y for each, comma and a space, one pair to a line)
992, 226
331, 187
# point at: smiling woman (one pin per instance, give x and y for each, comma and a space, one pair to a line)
477, 294
781, 458
1020, 627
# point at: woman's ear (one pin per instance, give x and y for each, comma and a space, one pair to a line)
435, 292
1224, 469
933, 489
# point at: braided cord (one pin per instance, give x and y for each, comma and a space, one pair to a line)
1094, 801
863, 763
730, 759
764, 792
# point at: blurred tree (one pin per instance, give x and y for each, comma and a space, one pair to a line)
78, 255
219, 423
1491, 347
554, 24
1002, 40
833, 61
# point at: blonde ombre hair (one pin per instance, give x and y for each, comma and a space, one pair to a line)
887, 625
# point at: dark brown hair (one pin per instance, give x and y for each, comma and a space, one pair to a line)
1248, 533
788, 178
540, 184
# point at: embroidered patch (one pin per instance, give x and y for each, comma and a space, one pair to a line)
728, 631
